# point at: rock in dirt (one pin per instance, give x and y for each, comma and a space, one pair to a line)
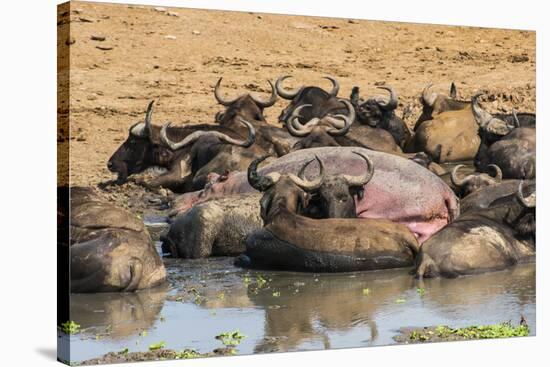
96, 37
104, 48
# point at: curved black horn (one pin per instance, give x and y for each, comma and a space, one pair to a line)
219, 97
392, 103
257, 181
335, 86
144, 129
270, 102
286, 94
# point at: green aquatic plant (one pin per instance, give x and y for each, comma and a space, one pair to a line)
125, 351
502, 330
400, 300
143, 333
276, 294
156, 346
366, 291
439, 333
231, 339
261, 281
70, 327
188, 354
420, 291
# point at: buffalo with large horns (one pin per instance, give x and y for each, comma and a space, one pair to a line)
379, 112
290, 241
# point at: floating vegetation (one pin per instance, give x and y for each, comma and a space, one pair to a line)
366, 291
231, 339
276, 294
70, 327
446, 333
157, 346
188, 354
420, 291
400, 300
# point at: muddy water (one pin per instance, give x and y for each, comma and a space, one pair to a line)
292, 311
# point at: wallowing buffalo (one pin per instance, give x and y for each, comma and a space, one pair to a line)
476, 181
204, 152
508, 145
435, 103
321, 132
450, 133
214, 228
290, 241
400, 190
490, 239
144, 148
379, 112
111, 250
320, 101
274, 140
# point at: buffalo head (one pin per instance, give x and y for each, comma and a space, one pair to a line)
283, 191
320, 101
246, 106
336, 196
474, 182
491, 128
375, 111
319, 132
525, 222
142, 149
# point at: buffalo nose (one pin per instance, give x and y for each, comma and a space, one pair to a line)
109, 165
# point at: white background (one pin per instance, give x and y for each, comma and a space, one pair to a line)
28, 180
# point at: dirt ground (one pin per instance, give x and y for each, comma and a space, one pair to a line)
176, 55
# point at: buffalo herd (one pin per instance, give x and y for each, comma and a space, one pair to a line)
335, 185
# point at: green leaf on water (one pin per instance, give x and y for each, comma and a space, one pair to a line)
70, 327
157, 346
276, 294
420, 291
366, 291
400, 300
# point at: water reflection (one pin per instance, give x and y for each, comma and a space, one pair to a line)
118, 315
294, 311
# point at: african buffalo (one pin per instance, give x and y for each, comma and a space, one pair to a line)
290, 241
321, 132
485, 196
449, 136
321, 102
483, 240
218, 227
143, 149
203, 152
111, 250
435, 103
274, 140
379, 112
213, 228
400, 190
511, 147
476, 181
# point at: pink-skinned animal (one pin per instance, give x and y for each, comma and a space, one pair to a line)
400, 189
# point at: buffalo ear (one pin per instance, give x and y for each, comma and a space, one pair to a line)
452, 92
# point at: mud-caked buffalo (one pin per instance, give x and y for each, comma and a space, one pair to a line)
490, 239
290, 241
111, 251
